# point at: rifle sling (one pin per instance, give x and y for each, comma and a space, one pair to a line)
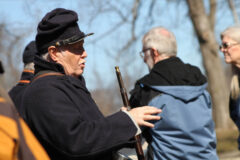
46, 73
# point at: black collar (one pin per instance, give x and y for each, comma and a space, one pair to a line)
173, 71
41, 64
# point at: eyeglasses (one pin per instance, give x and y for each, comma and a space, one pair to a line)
141, 53
227, 45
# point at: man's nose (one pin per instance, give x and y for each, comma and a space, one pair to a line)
84, 55
222, 49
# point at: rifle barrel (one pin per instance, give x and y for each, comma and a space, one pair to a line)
138, 145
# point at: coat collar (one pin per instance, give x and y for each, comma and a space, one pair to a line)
42, 66
27, 76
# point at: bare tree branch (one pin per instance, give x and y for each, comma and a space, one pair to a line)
211, 16
135, 15
108, 32
234, 12
150, 10
114, 9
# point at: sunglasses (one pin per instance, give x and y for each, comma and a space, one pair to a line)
227, 45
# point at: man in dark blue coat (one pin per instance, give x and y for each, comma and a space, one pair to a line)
17, 91
59, 108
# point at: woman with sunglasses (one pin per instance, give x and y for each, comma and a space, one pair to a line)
231, 50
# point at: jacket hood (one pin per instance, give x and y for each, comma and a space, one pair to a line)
170, 76
185, 93
173, 72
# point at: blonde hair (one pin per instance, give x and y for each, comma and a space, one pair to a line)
162, 40
233, 32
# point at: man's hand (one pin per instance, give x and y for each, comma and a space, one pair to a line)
143, 114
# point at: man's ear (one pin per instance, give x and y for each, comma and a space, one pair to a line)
156, 56
155, 52
52, 50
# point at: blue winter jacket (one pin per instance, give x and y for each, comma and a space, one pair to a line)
186, 130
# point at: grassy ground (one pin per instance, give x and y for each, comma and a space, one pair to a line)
227, 140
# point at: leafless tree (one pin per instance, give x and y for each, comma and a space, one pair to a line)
10, 45
217, 83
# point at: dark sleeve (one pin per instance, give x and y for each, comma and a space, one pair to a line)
234, 110
16, 94
135, 96
59, 124
141, 95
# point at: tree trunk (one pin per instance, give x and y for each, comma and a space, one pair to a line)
212, 63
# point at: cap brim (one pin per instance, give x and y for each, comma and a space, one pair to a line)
81, 38
72, 40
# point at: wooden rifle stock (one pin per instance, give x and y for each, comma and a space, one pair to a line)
138, 145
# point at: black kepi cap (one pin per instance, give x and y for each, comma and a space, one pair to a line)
58, 27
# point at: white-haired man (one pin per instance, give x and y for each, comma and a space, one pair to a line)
186, 130
59, 108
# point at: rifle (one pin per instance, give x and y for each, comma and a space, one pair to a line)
138, 145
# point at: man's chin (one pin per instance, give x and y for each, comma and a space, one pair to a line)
228, 61
150, 67
77, 74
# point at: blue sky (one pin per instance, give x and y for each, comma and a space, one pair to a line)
24, 15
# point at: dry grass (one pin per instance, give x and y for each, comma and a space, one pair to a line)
227, 140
